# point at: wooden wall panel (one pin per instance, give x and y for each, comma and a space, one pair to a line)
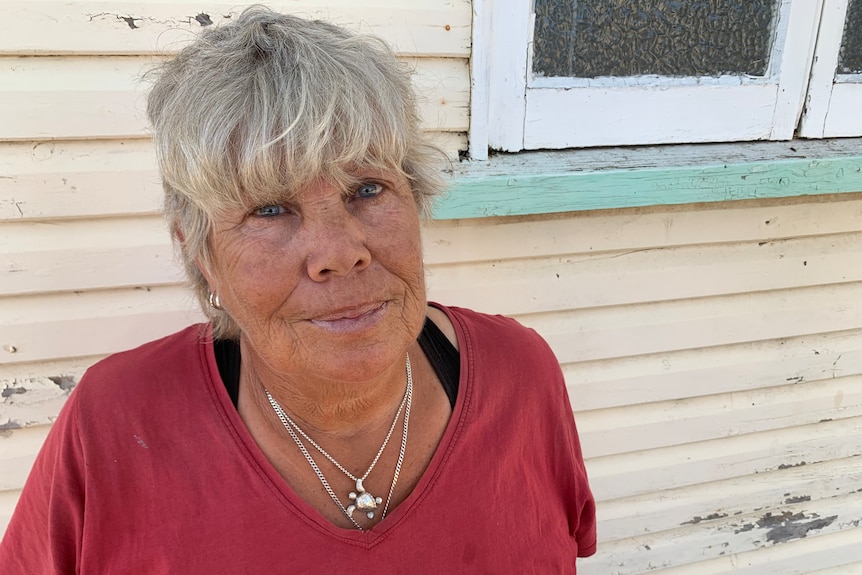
453, 241
846, 569
731, 546
51, 326
579, 281
675, 325
640, 427
72, 368
661, 469
57, 97
78, 179
830, 554
85, 255
710, 405
419, 28
681, 507
704, 371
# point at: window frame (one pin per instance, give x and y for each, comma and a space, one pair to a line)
832, 107
512, 112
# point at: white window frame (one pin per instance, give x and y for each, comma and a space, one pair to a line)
511, 111
833, 107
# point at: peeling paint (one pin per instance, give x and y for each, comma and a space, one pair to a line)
787, 526
10, 425
697, 518
800, 499
10, 391
203, 19
770, 520
64, 382
795, 528
790, 465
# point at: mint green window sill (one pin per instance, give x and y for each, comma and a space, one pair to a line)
532, 183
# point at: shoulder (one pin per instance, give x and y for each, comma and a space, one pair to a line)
149, 388
500, 350
129, 372
488, 332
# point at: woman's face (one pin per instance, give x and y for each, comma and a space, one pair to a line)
329, 285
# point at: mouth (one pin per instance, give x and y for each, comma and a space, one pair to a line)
351, 319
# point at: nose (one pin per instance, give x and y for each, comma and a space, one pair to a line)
337, 244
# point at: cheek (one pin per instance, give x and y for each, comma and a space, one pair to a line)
251, 270
407, 264
400, 244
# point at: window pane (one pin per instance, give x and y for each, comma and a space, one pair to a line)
850, 57
591, 38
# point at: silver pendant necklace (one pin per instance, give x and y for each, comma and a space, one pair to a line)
361, 499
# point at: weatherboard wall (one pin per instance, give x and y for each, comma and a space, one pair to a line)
712, 349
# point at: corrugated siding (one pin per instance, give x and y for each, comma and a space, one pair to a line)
714, 361
713, 353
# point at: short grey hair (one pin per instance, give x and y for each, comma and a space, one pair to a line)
257, 108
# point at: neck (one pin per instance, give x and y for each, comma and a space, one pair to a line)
324, 407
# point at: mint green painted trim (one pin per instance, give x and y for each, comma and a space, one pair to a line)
477, 196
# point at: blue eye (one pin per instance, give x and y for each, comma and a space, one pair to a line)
368, 190
269, 211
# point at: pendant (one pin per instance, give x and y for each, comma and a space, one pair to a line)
364, 501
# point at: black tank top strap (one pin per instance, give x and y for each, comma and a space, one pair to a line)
444, 358
228, 359
442, 355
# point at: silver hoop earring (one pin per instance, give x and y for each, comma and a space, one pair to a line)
214, 301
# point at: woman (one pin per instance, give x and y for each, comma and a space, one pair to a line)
328, 417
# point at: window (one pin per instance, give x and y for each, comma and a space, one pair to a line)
578, 73
834, 106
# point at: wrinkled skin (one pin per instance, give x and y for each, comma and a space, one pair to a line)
328, 287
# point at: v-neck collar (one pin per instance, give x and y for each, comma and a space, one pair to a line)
292, 502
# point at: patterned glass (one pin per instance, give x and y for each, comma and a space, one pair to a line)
850, 56
592, 38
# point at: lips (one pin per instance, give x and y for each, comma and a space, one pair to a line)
351, 318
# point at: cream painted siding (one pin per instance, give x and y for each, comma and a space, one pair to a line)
713, 353
713, 358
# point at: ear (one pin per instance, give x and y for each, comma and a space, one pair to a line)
206, 273
178, 234
180, 238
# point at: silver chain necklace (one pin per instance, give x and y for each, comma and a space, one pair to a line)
362, 499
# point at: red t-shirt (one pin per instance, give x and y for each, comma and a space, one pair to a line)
149, 469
